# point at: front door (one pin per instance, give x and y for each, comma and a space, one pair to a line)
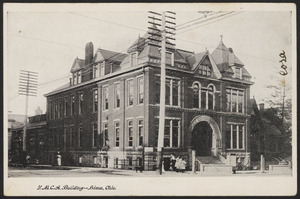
202, 139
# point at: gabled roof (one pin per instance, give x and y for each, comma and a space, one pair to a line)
138, 45
196, 59
245, 72
109, 55
77, 64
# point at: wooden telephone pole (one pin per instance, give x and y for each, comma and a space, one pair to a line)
159, 37
27, 86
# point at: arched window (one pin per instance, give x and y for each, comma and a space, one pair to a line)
196, 95
204, 98
211, 97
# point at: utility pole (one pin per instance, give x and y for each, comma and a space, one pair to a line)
161, 37
27, 86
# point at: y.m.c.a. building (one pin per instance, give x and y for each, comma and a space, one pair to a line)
108, 113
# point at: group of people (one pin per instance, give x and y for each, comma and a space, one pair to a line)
177, 164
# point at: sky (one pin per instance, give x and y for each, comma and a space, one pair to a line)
47, 42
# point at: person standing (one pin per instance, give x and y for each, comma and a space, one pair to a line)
183, 165
58, 159
177, 164
173, 161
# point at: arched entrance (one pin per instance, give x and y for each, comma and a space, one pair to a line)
206, 136
202, 139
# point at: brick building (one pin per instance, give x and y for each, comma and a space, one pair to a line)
35, 140
108, 112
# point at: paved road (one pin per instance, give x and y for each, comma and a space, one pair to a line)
98, 172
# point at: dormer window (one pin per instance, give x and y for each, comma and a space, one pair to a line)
76, 77
204, 70
238, 72
133, 59
102, 69
170, 58
95, 71
99, 70
79, 76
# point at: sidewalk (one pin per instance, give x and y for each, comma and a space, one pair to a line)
144, 173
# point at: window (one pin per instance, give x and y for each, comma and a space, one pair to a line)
196, 97
105, 96
79, 77
203, 97
59, 109
235, 136
171, 134
130, 133
102, 69
175, 131
66, 140
117, 134
56, 110
117, 95
72, 137
238, 72
170, 58
141, 131
105, 129
80, 104
95, 71
66, 107
95, 100
240, 101
76, 77
228, 99
172, 91
50, 110
140, 84
72, 104
95, 134
175, 92
211, 97
130, 92
234, 100
204, 70
80, 137
133, 59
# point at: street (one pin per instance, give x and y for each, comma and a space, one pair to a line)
105, 172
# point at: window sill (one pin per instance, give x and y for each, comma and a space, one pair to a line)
171, 106
235, 149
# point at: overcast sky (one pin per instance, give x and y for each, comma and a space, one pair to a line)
48, 43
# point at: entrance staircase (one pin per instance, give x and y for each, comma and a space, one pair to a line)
212, 164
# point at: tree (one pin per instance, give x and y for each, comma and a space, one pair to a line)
280, 113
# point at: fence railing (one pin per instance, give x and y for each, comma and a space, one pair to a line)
148, 164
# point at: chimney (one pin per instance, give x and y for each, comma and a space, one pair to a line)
261, 106
89, 51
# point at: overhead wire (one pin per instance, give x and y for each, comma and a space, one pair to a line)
197, 19
119, 54
209, 21
205, 20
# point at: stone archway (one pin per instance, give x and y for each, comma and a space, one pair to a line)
216, 133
